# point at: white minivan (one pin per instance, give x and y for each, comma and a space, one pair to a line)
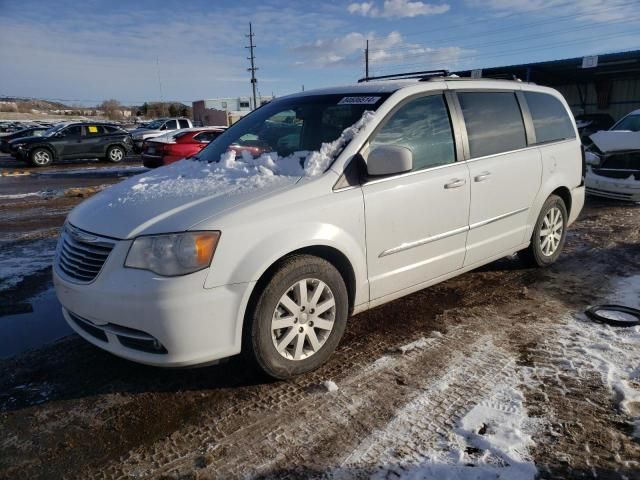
313, 208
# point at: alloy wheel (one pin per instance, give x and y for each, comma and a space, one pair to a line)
551, 231
116, 154
41, 157
303, 319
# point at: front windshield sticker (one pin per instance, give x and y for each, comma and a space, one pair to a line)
358, 100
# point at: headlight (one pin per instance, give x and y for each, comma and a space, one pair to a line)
173, 254
19, 145
591, 158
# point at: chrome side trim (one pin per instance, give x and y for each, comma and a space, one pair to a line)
495, 219
424, 241
440, 236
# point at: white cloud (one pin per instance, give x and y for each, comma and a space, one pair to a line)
397, 9
349, 50
591, 10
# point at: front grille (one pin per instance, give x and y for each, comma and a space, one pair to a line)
81, 255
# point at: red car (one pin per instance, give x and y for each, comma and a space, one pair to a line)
177, 145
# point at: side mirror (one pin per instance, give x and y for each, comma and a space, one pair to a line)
389, 160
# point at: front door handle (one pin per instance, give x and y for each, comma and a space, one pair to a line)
482, 177
455, 183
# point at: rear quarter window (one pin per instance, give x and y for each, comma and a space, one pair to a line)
551, 121
494, 122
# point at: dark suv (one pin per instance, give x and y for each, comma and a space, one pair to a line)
74, 140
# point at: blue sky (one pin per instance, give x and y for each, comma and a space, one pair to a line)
85, 51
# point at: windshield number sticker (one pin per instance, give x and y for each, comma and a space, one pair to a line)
358, 100
93, 129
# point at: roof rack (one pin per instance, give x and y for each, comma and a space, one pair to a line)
421, 76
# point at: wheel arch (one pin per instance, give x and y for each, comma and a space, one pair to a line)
565, 194
331, 254
46, 146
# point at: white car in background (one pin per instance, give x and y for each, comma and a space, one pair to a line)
359, 195
157, 128
614, 161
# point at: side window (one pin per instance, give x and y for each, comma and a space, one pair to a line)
183, 123
494, 122
206, 137
92, 130
550, 119
423, 126
170, 125
73, 131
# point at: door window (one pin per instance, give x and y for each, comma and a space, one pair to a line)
423, 126
550, 119
183, 123
170, 125
73, 131
93, 130
494, 122
206, 137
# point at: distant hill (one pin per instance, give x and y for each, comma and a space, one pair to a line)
35, 104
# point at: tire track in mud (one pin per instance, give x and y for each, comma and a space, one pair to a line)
325, 429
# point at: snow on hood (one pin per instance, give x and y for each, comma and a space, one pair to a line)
616, 140
151, 202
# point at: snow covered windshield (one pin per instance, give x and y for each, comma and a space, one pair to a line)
289, 127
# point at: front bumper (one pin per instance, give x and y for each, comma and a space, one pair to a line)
154, 320
613, 188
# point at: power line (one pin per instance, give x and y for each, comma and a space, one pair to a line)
253, 68
525, 37
508, 52
494, 31
505, 29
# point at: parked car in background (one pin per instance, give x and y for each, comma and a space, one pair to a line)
168, 148
156, 128
388, 188
35, 131
590, 123
74, 140
614, 161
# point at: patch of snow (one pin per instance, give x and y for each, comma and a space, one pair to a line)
613, 352
24, 259
331, 386
235, 173
417, 344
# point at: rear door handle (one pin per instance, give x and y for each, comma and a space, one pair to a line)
482, 177
455, 183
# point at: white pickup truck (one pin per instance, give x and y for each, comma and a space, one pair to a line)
156, 128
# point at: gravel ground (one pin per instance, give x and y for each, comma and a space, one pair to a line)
492, 374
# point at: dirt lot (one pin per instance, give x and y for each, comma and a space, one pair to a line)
493, 374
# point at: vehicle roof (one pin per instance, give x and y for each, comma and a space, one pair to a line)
435, 83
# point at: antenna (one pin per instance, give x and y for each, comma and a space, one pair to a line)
253, 68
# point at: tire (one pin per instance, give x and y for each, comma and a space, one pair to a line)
115, 154
545, 249
40, 157
273, 332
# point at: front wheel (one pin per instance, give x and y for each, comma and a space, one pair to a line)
298, 319
115, 154
548, 235
40, 157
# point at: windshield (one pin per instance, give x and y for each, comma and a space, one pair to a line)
54, 129
154, 125
298, 124
630, 122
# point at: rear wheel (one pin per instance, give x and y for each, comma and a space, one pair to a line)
298, 319
40, 157
115, 154
548, 235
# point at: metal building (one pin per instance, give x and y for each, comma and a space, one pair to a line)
608, 83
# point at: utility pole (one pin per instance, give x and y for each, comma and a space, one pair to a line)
253, 68
366, 62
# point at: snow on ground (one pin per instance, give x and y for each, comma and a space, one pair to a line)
24, 259
129, 170
234, 173
613, 352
